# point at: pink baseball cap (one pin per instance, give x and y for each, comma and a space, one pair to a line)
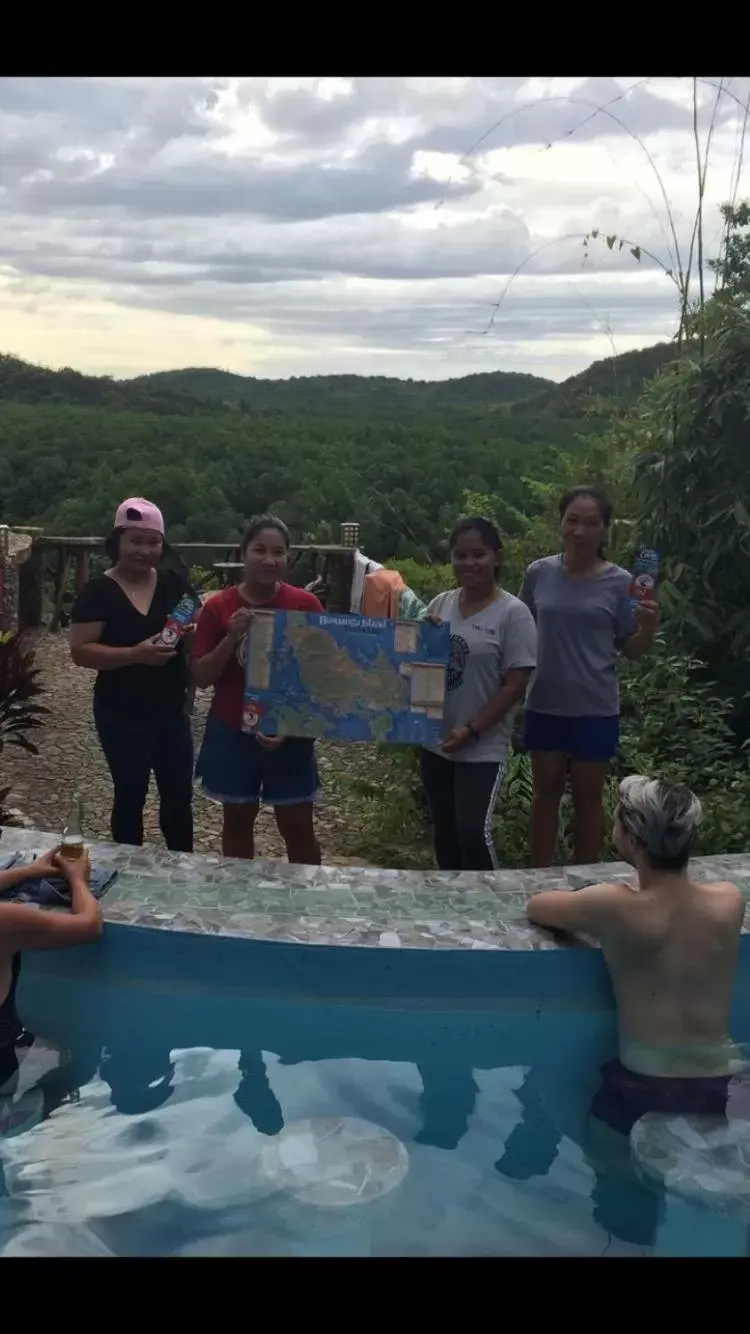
141, 514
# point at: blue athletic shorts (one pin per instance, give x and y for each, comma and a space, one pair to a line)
592, 739
236, 770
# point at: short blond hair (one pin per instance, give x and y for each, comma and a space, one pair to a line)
662, 818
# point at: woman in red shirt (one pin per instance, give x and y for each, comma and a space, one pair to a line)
238, 769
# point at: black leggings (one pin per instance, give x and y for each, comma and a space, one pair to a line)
462, 799
133, 749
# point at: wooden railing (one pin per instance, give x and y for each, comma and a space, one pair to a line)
332, 568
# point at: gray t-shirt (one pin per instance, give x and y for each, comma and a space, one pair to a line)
580, 624
484, 649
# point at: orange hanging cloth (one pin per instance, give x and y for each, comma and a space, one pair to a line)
382, 594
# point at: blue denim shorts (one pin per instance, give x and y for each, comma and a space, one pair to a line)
235, 770
590, 739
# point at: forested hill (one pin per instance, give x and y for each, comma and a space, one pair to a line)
200, 389
336, 391
397, 456
620, 378
21, 382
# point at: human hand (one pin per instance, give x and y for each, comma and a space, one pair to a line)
44, 867
76, 870
433, 618
239, 624
268, 742
456, 739
648, 615
51, 865
152, 654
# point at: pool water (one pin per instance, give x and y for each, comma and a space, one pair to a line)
189, 1126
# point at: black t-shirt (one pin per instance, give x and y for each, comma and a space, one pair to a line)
135, 690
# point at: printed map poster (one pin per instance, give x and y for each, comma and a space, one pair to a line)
345, 678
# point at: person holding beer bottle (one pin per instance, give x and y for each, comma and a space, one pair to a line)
130, 626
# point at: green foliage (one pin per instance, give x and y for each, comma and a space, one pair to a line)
394, 829
616, 380
693, 488
334, 392
204, 581
23, 383
20, 710
424, 580
733, 267
676, 726
395, 456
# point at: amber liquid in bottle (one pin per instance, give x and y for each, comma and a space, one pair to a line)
71, 844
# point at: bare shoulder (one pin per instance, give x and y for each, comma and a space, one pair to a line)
594, 908
724, 894
612, 891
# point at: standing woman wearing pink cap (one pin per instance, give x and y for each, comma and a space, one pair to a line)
140, 695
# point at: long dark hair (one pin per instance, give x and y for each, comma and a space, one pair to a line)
257, 524
595, 493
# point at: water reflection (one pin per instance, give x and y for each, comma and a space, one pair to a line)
161, 1152
140, 1074
622, 1207
254, 1095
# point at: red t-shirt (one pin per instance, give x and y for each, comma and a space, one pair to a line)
212, 627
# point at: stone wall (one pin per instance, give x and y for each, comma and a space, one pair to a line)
18, 550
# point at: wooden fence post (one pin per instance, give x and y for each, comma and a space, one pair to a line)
340, 583
63, 569
83, 568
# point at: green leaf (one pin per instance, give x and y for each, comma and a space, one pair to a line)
741, 515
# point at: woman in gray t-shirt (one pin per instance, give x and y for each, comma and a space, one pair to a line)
493, 652
581, 604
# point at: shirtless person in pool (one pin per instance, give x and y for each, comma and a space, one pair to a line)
24, 927
671, 946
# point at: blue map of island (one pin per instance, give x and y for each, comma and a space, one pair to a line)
345, 678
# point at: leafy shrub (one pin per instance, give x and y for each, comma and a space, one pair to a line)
677, 727
204, 581
20, 711
424, 580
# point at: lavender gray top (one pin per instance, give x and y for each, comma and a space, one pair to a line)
484, 648
579, 623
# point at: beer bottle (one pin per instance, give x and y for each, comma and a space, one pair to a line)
71, 844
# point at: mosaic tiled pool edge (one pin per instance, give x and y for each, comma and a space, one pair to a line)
365, 907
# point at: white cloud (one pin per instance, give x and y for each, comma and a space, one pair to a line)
292, 226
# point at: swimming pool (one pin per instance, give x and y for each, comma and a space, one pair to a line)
444, 1089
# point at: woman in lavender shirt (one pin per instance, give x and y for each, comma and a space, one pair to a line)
581, 604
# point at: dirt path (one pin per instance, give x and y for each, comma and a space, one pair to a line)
70, 757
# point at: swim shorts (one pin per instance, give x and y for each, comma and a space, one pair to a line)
626, 1096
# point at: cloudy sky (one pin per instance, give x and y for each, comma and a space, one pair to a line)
283, 227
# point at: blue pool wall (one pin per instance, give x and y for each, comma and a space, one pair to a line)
148, 957
144, 992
